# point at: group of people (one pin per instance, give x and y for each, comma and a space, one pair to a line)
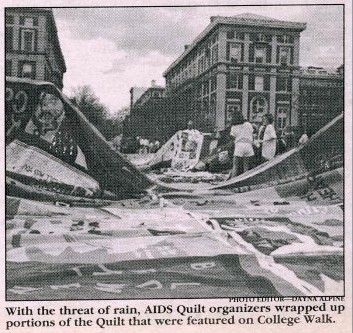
146, 146
247, 146
254, 146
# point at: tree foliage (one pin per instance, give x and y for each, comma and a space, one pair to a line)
97, 113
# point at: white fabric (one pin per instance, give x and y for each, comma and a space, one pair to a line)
303, 139
269, 142
242, 133
243, 139
243, 149
188, 149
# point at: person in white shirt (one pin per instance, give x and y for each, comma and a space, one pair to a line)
304, 137
157, 145
268, 143
151, 147
242, 131
146, 146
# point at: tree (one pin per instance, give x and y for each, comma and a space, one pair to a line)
97, 113
89, 104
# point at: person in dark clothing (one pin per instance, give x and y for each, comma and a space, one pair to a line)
289, 137
281, 146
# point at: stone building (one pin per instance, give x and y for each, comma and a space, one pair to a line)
147, 118
246, 63
32, 45
321, 96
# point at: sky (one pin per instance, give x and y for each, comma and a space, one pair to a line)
114, 49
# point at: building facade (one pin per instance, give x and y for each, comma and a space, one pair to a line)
321, 96
249, 64
32, 45
245, 63
135, 94
147, 118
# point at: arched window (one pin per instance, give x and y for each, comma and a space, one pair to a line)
258, 105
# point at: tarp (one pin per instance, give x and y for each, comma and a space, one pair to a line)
182, 152
43, 122
188, 150
276, 230
324, 151
132, 249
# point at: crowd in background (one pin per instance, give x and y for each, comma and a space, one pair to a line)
242, 146
140, 145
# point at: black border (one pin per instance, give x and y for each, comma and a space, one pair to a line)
303, 298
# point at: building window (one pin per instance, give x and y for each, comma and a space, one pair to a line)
285, 39
282, 115
27, 69
260, 54
258, 37
28, 40
231, 110
214, 54
10, 19
284, 55
8, 67
240, 35
213, 83
205, 105
235, 52
28, 21
200, 65
194, 69
199, 91
205, 88
9, 38
259, 83
207, 58
235, 35
284, 84
230, 34
213, 102
234, 81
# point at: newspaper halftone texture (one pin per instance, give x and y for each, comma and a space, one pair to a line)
113, 252
85, 222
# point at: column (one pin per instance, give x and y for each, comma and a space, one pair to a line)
246, 47
245, 97
245, 92
296, 51
272, 106
221, 97
273, 79
295, 85
222, 46
221, 81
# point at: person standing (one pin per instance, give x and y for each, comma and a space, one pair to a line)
289, 137
304, 136
242, 132
157, 145
268, 143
